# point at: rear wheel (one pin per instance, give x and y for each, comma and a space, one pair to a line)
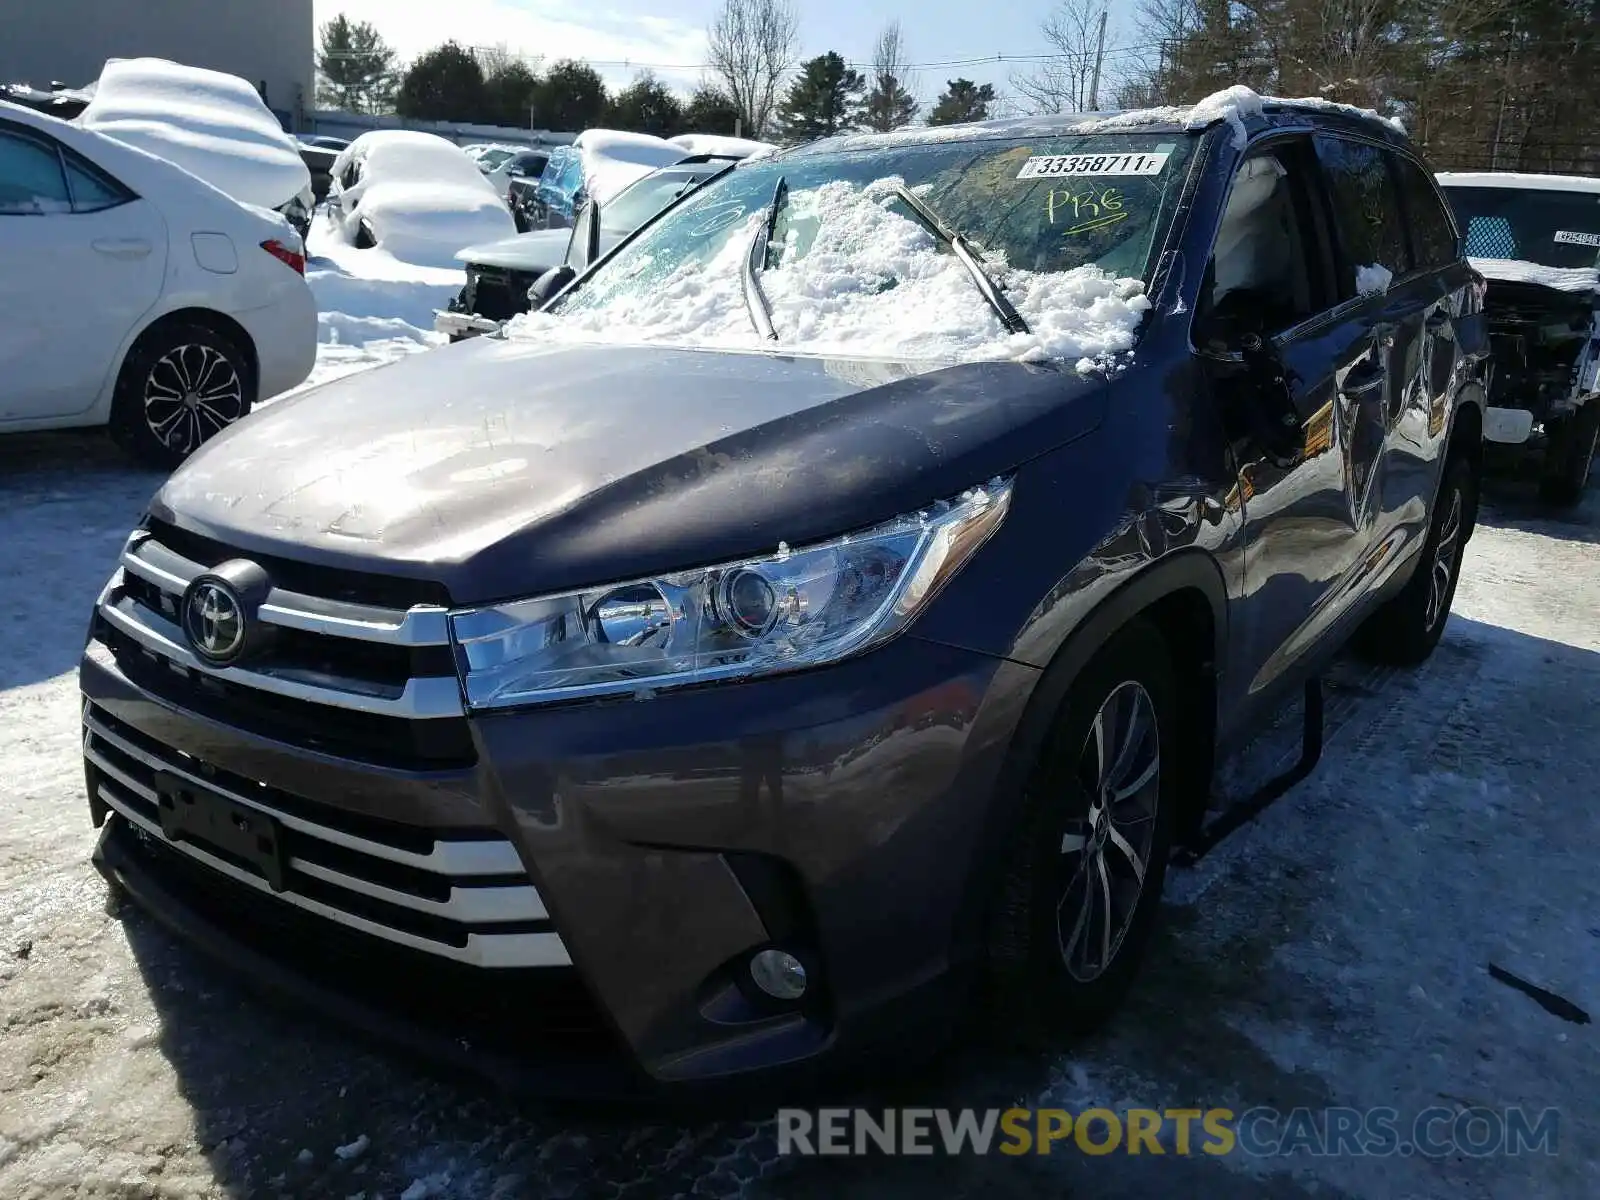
1088, 859
180, 387
1568, 455
1407, 628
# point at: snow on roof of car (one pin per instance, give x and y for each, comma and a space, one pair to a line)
1234, 105
211, 124
721, 145
404, 155
1563, 279
613, 159
1520, 181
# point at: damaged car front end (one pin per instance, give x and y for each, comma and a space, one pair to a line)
1535, 239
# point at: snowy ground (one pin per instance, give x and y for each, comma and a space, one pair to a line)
373, 308
1334, 952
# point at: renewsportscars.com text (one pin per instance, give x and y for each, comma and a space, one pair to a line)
1259, 1132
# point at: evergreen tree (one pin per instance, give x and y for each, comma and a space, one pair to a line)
508, 94
887, 105
355, 67
646, 106
571, 98
445, 84
712, 110
822, 101
962, 101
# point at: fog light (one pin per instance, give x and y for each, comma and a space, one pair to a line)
779, 974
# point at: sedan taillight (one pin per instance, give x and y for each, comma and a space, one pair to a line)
285, 254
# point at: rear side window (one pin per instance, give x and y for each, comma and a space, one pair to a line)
31, 181
92, 189
1366, 211
1433, 236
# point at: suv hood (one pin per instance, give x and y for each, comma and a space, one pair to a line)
506, 468
537, 251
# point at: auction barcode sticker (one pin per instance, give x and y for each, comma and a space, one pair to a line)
1049, 166
1567, 237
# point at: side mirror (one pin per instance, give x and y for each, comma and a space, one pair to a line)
583, 247
547, 285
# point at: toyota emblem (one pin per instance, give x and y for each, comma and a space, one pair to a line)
214, 620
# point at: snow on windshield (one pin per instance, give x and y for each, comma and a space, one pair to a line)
211, 124
873, 283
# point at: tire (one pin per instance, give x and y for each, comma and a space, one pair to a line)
1049, 973
179, 387
1568, 455
1405, 630
364, 239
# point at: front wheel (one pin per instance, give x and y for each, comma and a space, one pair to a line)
1568, 455
179, 388
1089, 856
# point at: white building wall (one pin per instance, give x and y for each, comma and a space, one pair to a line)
267, 42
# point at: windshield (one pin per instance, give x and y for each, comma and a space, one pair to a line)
1067, 226
637, 203
1551, 228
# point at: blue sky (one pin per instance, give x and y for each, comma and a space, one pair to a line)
672, 34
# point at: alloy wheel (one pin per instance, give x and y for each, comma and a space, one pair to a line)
1444, 560
1105, 854
191, 394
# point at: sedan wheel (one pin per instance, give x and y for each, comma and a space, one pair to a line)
179, 387
191, 393
1106, 854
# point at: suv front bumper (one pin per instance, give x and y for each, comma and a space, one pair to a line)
842, 813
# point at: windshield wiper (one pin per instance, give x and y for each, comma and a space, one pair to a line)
755, 298
962, 249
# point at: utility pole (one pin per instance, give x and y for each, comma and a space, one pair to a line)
1099, 60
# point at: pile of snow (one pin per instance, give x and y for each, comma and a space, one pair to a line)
421, 196
613, 159
1373, 280
1563, 279
1234, 106
874, 283
721, 146
212, 125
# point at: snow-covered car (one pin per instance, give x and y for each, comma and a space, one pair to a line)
416, 195
211, 124
598, 165
721, 145
499, 274
523, 164
137, 296
1536, 240
829, 610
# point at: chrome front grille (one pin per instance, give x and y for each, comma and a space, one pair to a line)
462, 898
340, 675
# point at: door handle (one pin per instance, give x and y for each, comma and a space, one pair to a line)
121, 247
1361, 381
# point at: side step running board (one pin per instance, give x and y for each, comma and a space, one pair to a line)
1241, 812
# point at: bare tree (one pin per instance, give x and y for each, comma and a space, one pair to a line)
889, 102
751, 44
1065, 81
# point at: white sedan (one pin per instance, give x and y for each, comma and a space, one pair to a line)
137, 296
416, 195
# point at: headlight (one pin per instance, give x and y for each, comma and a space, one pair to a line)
794, 609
